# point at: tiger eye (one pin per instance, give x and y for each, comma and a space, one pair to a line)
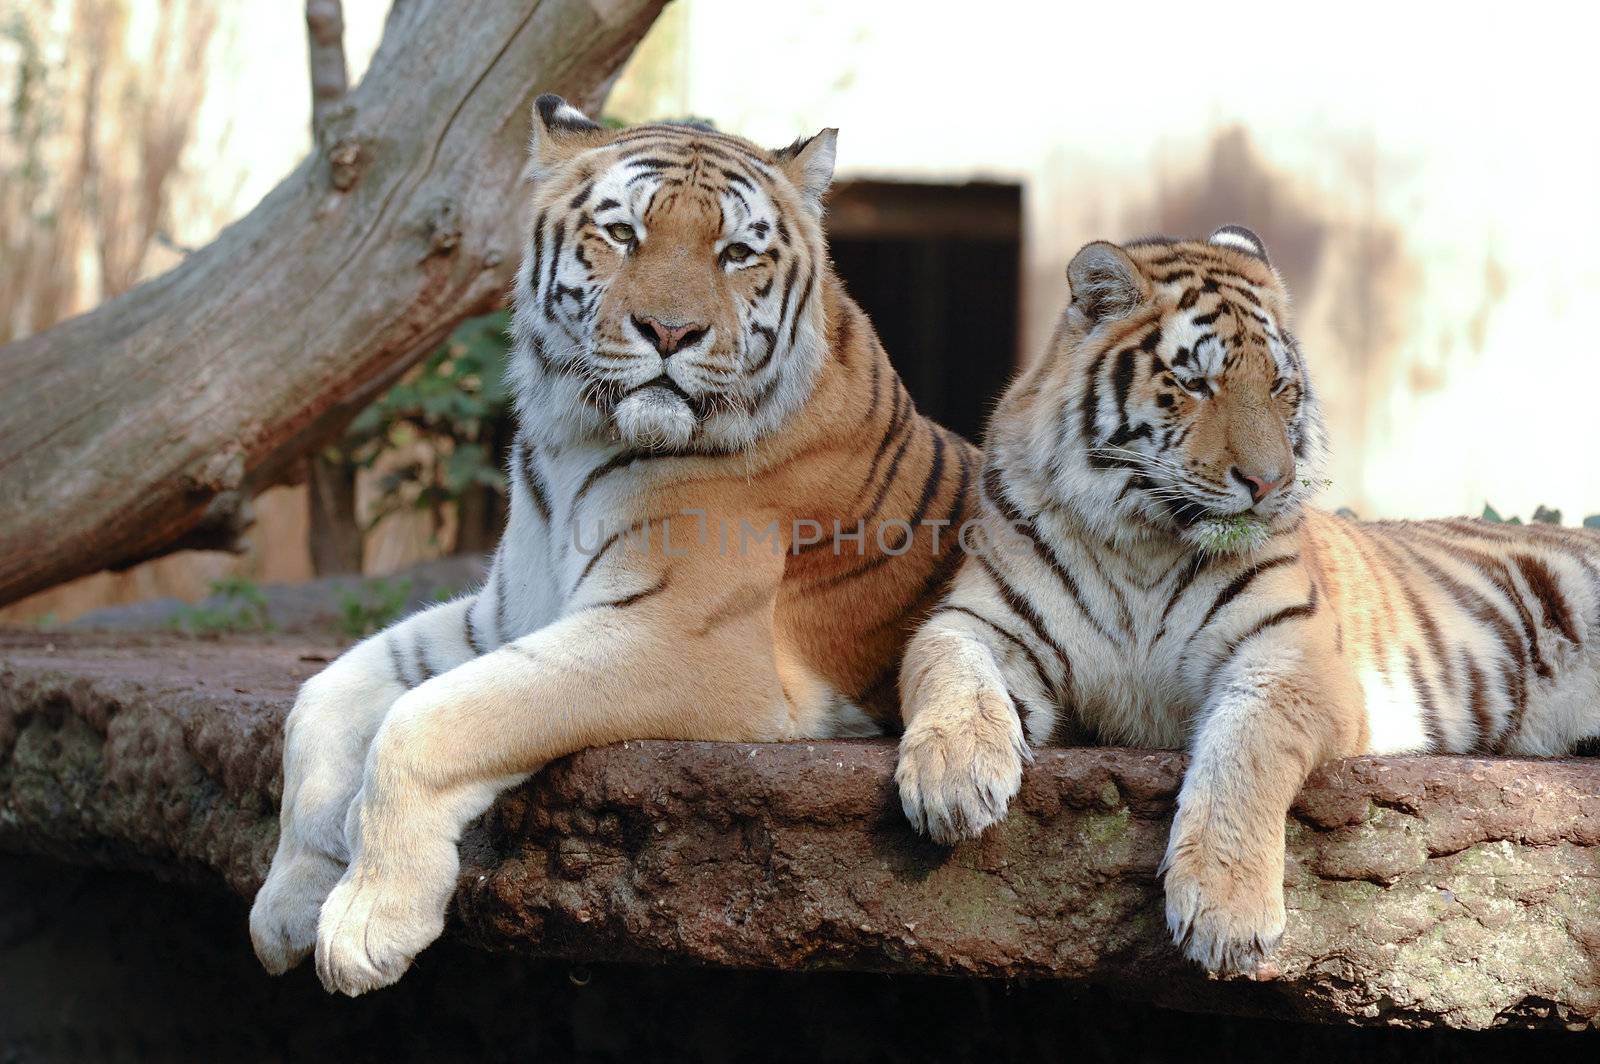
737, 252
621, 232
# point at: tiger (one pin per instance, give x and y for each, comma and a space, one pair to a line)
710, 440
1149, 571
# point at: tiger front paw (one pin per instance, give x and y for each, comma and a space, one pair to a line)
371, 930
1225, 915
283, 918
958, 771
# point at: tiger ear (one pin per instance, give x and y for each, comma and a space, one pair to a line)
809, 164
560, 132
1105, 282
1240, 239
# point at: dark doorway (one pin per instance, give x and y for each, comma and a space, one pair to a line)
937, 268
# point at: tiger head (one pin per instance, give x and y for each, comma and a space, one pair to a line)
1174, 398
671, 292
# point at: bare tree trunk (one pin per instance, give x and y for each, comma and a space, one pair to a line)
335, 537
146, 425
325, 52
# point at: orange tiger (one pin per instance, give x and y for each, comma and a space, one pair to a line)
711, 441
1151, 574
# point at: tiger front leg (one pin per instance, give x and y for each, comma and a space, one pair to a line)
1261, 734
964, 746
449, 746
326, 737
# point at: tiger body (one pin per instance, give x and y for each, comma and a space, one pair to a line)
698, 402
1172, 406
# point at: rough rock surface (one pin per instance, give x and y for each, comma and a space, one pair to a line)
1421, 891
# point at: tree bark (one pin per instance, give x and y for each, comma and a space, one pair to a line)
335, 538
145, 425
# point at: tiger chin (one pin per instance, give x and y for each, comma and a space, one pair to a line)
1150, 573
692, 384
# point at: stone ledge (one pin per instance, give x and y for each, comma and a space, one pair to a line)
1422, 891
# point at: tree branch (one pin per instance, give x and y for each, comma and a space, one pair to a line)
329, 76
150, 421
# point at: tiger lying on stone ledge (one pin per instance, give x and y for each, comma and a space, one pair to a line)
696, 397
1153, 576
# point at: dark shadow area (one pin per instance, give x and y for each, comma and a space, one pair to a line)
937, 269
104, 966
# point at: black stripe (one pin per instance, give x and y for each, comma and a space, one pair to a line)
1272, 620
612, 540
637, 596
893, 468
1236, 586
1184, 581
771, 336
994, 488
1024, 610
1430, 710
1497, 574
842, 333
610, 465
800, 307
788, 291
419, 650
499, 598
536, 266
954, 517
897, 422
695, 139
470, 631
877, 385
1045, 683
1514, 678
1419, 611
555, 260
1090, 406
534, 482
883, 557
1546, 587
931, 484
1122, 383
398, 661
1478, 704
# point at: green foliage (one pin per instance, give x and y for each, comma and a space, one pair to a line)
376, 605
243, 608
1233, 534
450, 402
1542, 515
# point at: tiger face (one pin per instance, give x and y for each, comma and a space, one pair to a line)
1181, 401
669, 297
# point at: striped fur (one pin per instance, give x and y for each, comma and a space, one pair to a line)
657, 578
1172, 379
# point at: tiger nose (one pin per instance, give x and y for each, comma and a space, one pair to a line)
1262, 483
668, 338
